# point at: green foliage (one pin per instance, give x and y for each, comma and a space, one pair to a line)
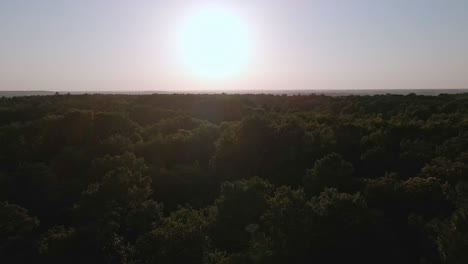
180, 238
300, 230
330, 171
243, 179
445, 169
237, 212
453, 238
16, 227
15, 221
59, 245
120, 195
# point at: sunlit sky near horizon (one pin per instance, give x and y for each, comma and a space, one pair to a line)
107, 45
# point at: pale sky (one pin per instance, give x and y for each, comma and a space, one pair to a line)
102, 45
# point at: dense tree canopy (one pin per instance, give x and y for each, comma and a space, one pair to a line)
224, 179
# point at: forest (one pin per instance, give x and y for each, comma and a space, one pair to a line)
227, 179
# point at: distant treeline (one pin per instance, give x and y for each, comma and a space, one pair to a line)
227, 179
328, 92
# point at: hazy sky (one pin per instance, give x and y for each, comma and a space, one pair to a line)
129, 45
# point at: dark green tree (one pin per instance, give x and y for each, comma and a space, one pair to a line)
330, 171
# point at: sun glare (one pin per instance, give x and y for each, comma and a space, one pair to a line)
214, 44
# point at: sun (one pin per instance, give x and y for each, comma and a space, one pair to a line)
214, 43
